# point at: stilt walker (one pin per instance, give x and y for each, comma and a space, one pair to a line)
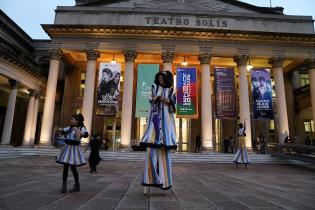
241, 155
159, 137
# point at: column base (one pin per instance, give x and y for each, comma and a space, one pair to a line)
6, 146
43, 146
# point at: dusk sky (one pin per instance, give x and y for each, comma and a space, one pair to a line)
30, 15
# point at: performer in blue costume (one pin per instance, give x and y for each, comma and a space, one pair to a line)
71, 154
159, 137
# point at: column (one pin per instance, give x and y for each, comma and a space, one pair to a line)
34, 120
126, 114
29, 118
167, 58
50, 96
88, 98
241, 62
281, 106
311, 64
206, 105
9, 115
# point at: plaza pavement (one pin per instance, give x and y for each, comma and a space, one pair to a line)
35, 183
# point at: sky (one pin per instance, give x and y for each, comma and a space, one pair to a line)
30, 15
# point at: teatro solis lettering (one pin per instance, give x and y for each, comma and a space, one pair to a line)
178, 21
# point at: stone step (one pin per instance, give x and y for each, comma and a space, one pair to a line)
130, 155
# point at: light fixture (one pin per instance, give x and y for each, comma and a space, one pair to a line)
249, 66
184, 63
113, 61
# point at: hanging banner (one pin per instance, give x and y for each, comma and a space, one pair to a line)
187, 94
262, 94
224, 93
108, 89
146, 74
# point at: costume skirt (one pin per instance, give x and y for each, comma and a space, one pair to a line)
71, 154
158, 168
241, 156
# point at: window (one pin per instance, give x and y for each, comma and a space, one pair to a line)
271, 125
82, 84
304, 79
309, 126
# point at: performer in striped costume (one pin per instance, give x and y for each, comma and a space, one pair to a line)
159, 137
71, 154
241, 155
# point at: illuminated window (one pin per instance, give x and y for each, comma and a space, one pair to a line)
82, 84
307, 126
304, 79
271, 125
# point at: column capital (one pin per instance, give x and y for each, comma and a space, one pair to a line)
13, 83
55, 54
31, 92
130, 55
310, 63
167, 56
204, 58
241, 60
276, 62
37, 94
92, 55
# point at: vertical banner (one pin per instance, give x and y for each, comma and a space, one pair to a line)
187, 94
108, 89
146, 74
224, 93
262, 94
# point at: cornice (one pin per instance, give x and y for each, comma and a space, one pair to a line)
178, 34
20, 60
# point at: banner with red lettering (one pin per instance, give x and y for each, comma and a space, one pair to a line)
187, 94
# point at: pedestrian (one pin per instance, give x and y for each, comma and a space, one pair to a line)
71, 154
262, 142
241, 155
198, 143
159, 137
226, 145
94, 157
232, 142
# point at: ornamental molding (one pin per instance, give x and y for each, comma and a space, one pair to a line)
167, 57
204, 58
92, 55
143, 33
276, 62
241, 60
310, 63
13, 83
130, 55
55, 54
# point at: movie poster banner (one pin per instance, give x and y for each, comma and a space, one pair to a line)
187, 94
262, 94
108, 89
146, 74
224, 93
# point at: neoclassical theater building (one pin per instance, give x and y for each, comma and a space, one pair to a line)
44, 82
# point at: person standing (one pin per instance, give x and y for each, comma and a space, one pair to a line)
159, 137
241, 155
70, 154
198, 143
94, 158
232, 142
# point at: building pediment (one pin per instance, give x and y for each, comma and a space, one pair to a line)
182, 5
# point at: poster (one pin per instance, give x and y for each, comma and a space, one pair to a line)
262, 94
187, 94
225, 101
146, 74
108, 89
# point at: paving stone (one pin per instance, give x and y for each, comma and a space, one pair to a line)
35, 183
